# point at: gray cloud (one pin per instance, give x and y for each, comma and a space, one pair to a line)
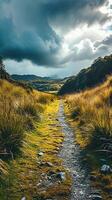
26, 27
108, 40
74, 13
103, 47
89, 50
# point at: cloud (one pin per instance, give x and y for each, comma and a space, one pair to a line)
33, 30
26, 67
88, 50
103, 47
74, 13
108, 40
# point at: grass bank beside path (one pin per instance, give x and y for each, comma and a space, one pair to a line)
31, 174
89, 113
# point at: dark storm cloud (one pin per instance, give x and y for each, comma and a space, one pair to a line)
26, 30
76, 12
27, 45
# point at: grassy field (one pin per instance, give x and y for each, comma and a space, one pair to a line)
30, 138
90, 114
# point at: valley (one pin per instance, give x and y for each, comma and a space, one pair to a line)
55, 147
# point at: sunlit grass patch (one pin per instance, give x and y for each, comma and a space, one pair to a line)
27, 170
20, 110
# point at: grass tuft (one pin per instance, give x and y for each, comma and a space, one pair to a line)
11, 133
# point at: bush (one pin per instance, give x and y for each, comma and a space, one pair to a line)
43, 99
29, 109
102, 126
11, 133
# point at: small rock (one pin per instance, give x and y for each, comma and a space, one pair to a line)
40, 154
95, 197
106, 169
49, 178
49, 164
59, 182
38, 184
81, 192
38, 162
61, 176
43, 174
23, 198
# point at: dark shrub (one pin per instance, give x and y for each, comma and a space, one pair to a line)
11, 133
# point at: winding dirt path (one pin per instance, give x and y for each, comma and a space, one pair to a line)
70, 153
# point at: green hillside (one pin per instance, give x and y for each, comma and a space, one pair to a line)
89, 77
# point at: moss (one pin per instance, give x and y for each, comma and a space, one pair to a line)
26, 171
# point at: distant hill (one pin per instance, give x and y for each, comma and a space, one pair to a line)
47, 84
28, 77
89, 77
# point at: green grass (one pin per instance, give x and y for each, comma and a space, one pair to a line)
25, 172
21, 131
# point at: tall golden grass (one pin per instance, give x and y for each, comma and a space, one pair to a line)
92, 112
19, 109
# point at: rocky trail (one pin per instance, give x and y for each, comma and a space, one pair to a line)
70, 153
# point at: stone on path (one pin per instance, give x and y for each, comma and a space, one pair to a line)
40, 154
95, 197
61, 176
23, 198
106, 169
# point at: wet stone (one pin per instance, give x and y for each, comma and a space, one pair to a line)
81, 192
106, 169
49, 164
95, 197
23, 198
61, 176
40, 154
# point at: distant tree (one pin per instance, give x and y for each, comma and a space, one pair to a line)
2, 66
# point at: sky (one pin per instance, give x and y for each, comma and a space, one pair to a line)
54, 37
